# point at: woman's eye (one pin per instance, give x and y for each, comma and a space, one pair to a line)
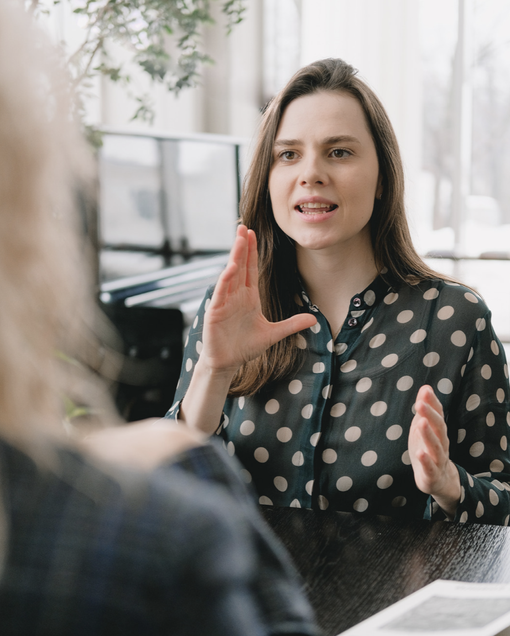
288, 155
339, 153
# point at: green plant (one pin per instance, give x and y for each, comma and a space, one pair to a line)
149, 30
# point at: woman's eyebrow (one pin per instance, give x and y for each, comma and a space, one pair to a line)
337, 139
287, 142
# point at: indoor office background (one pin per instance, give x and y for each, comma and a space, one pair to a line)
440, 67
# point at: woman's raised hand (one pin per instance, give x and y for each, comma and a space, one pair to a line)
235, 330
434, 472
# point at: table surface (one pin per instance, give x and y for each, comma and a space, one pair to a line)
355, 566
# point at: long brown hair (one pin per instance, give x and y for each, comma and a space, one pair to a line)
391, 239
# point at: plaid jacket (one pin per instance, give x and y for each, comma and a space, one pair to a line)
91, 553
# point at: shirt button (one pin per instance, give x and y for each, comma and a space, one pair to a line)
352, 322
357, 302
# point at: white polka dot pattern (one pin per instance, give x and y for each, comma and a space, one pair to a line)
418, 336
378, 409
405, 316
431, 294
298, 459
445, 386
323, 502
384, 481
369, 297
389, 360
314, 439
352, 434
306, 411
458, 338
261, 455
405, 383
431, 359
295, 386
473, 402
329, 456
377, 341
343, 416
338, 409
284, 434
272, 407
369, 458
363, 385
394, 432
247, 427
360, 505
445, 312
344, 483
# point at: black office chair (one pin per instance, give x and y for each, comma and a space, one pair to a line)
151, 344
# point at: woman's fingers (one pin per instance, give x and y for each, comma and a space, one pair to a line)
429, 407
434, 446
234, 274
252, 270
427, 464
223, 285
427, 396
239, 256
434, 472
284, 328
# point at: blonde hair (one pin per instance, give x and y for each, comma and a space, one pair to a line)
46, 307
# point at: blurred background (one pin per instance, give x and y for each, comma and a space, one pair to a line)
170, 178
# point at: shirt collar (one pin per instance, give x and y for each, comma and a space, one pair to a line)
370, 296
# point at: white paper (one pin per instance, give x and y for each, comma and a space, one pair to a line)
444, 608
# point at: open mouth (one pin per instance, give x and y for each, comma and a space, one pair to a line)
315, 208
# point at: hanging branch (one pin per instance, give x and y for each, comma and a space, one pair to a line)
148, 29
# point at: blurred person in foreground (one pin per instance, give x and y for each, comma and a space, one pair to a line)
119, 534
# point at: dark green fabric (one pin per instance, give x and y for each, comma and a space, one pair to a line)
335, 435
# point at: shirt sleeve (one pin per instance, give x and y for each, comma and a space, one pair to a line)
478, 426
192, 348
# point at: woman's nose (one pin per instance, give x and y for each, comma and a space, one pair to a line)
313, 172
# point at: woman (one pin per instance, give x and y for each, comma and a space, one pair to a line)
393, 397
137, 530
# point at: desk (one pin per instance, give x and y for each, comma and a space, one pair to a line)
354, 566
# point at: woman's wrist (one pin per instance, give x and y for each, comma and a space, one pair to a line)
215, 374
448, 498
202, 406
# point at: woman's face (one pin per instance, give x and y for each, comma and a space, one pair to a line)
325, 173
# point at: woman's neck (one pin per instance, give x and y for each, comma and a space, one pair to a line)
331, 279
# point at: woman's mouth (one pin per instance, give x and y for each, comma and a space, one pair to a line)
315, 208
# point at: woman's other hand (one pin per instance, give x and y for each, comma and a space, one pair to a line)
434, 472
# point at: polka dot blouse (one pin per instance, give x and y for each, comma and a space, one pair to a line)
335, 435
